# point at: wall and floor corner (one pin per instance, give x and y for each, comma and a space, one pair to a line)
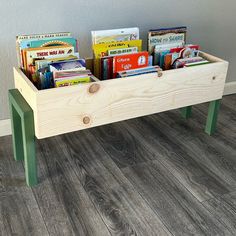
210, 24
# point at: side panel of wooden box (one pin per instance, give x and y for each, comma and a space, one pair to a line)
79, 107
28, 91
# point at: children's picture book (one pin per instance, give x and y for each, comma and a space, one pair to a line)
78, 64
22, 40
49, 42
139, 71
70, 73
106, 68
42, 63
32, 54
101, 50
129, 62
122, 51
68, 81
166, 36
114, 35
179, 63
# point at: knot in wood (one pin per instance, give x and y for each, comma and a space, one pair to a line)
159, 73
86, 120
94, 88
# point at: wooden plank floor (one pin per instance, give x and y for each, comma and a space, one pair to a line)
156, 175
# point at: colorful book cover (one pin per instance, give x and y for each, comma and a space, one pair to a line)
129, 62
39, 64
21, 38
139, 71
179, 63
114, 35
162, 58
166, 36
64, 74
101, 50
122, 51
49, 43
106, 67
168, 61
71, 81
68, 65
31, 54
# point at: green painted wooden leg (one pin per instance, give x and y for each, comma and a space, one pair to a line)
29, 148
186, 112
23, 129
16, 134
212, 117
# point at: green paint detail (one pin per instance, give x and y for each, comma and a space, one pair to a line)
186, 112
22, 120
214, 107
16, 134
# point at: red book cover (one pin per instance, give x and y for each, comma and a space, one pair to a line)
129, 62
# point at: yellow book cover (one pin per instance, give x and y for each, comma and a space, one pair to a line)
101, 50
71, 81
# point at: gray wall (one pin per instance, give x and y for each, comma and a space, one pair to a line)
211, 24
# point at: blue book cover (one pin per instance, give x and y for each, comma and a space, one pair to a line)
68, 65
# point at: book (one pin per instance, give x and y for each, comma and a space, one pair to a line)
122, 51
20, 39
68, 65
129, 61
198, 63
32, 54
46, 43
70, 73
74, 80
43, 63
168, 61
101, 50
114, 35
139, 71
179, 63
166, 36
106, 67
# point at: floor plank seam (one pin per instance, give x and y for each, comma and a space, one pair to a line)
37, 203
218, 218
136, 189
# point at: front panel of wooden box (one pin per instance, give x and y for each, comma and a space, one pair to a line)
67, 109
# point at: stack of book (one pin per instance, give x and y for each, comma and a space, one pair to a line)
170, 51
51, 60
117, 52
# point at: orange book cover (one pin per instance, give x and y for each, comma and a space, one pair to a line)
129, 62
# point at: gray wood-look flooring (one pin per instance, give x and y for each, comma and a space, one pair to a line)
155, 175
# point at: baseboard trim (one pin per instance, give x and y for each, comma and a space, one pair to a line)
5, 127
230, 88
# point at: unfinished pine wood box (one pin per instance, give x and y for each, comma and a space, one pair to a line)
66, 109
